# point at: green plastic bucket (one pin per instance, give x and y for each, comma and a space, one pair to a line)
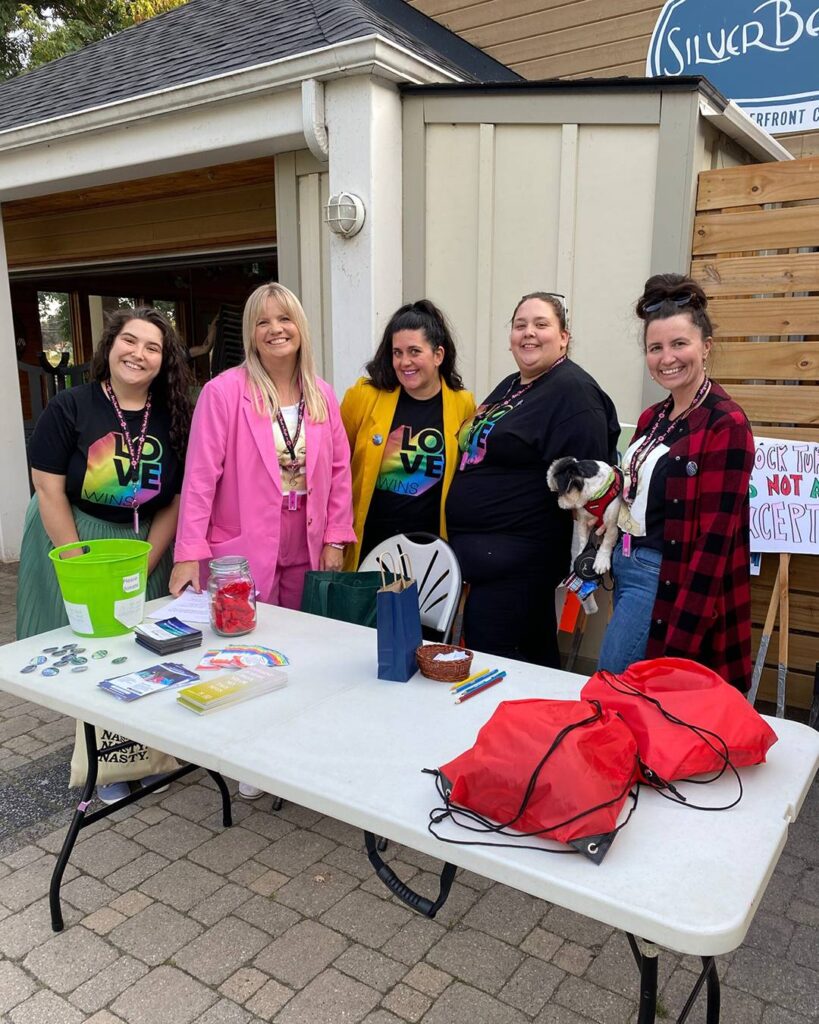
103, 588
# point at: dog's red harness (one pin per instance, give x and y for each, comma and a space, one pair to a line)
597, 505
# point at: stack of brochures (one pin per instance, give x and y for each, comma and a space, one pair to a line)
167, 636
134, 685
231, 689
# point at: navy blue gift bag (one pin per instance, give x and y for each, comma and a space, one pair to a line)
399, 623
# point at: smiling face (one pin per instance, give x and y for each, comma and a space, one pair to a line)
416, 363
675, 356
276, 338
135, 357
537, 340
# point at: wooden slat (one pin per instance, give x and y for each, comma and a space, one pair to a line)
802, 575
799, 688
757, 229
546, 33
777, 403
803, 651
788, 433
754, 275
773, 360
780, 316
758, 183
585, 61
804, 609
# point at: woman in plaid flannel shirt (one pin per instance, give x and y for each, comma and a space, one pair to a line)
682, 566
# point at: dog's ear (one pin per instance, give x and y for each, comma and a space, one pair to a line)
559, 474
588, 468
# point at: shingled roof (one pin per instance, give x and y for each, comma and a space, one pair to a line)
204, 38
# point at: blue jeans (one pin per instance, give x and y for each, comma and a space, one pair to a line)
635, 588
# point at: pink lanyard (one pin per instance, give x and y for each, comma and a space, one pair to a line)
290, 445
134, 453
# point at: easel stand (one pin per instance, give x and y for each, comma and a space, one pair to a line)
780, 603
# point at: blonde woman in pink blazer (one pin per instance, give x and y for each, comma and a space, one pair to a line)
267, 474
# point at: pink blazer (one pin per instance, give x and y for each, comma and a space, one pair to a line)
232, 494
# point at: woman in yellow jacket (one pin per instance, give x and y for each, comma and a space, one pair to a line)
402, 421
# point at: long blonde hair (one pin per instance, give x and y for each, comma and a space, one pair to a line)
265, 396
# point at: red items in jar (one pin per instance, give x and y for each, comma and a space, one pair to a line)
232, 596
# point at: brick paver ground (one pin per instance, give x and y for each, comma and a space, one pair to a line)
170, 919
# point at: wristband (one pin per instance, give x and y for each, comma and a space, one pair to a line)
338, 547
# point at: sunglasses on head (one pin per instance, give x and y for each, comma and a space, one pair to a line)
679, 301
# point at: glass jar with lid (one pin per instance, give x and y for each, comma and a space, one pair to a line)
231, 596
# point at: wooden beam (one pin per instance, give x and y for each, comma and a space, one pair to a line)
758, 183
777, 403
804, 614
779, 316
754, 275
773, 360
751, 231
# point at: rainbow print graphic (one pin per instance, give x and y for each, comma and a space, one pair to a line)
108, 477
412, 463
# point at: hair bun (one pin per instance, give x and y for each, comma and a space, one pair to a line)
671, 288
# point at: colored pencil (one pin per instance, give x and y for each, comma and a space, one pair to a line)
473, 693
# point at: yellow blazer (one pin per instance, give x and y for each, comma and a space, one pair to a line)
368, 412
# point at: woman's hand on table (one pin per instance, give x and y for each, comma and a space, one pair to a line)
332, 558
184, 574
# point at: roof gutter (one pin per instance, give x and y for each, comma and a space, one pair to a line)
734, 122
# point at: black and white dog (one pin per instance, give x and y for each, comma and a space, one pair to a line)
593, 490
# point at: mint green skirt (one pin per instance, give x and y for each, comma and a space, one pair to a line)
39, 601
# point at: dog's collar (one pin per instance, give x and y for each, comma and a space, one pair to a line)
610, 490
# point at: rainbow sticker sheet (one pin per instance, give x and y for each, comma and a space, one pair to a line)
241, 656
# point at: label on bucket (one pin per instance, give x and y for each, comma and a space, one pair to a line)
129, 610
130, 583
79, 617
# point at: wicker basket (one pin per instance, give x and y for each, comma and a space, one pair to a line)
443, 671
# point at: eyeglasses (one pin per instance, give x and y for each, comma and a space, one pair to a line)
679, 302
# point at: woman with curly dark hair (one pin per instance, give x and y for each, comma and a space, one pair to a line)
106, 461
402, 421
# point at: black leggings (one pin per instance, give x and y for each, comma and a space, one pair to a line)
511, 607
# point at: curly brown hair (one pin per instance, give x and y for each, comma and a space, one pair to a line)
171, 386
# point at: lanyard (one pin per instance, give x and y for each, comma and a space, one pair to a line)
290, 444
511, 394
657, 436
134, 452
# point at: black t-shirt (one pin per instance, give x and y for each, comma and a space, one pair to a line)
507, 447
407, 495
79, 437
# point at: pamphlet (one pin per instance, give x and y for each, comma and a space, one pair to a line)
134, 685
231, 689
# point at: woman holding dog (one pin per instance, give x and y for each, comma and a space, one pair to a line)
682, 566
511, 538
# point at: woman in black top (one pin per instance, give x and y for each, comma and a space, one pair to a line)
510, 536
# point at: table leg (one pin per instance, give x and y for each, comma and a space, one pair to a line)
227, 816
646, 954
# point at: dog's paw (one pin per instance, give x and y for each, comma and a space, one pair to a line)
602, 563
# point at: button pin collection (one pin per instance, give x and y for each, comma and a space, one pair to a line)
69, 656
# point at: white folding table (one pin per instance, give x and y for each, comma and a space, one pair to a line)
345, 744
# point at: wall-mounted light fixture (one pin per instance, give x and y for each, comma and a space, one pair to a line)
344, 214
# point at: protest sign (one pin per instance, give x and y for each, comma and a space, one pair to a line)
785, 496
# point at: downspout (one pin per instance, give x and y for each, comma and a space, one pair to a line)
312, 115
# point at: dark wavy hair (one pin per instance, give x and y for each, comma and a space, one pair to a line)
425, 316
557, 302
674, 295
171, 386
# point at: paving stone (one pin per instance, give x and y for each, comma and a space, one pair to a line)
428, 979
130, 827
597, 1003
461, 1004
382, 1017
367, 919
87, 894
223, 902
135, 873
613, 967
152, 815
775, 980
268, 825
460, 900
242, 984
182, 884
769, 933
21, 932
804, 947
575, 927
507, 914
192, 802
30, 883
108, 983
68, 959
541, 943
147, 1001
45, 1008
226, 851
531, 986
174, 837
736, 1007
268, 883
554, 1014
573, 958
15, 986
130, 903
154, 934
331, 998
301, 953
104, 1017
476, 958
219, 951
267, 1002
316, 890
224, 1012
411, 944
23, 856
804, 913
103, 921
295, 852
104, 853
354, 862
340, 832
408, 1003
301, 817
776, 1015
17, 726
266, 914
248, 872
370, 967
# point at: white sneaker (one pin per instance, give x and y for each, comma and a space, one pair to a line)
248, 792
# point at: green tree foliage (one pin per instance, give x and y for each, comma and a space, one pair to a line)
33, 34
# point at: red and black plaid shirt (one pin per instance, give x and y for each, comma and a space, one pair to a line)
703, 605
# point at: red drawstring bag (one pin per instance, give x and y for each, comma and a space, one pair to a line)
555, 769
686, 718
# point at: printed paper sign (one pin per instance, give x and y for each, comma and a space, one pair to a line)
785, 496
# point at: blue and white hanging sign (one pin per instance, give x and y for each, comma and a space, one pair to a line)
764, 54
